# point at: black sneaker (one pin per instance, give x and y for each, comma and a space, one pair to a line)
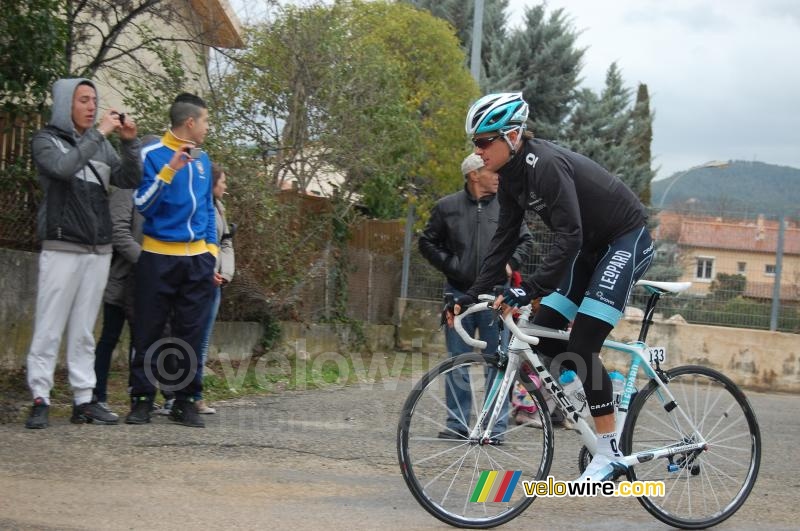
37, 420
184, 412
91, 412
453, 435
140, 410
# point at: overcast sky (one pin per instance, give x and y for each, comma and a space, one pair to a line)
723, 75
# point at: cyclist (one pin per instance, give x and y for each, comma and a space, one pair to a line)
601, 248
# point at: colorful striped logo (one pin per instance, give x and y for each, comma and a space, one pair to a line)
495, 486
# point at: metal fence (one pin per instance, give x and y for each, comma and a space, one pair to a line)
19, 193
744, 270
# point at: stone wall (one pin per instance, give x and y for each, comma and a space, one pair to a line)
309, 340
18, 279
756, 359
19, 271
753, 358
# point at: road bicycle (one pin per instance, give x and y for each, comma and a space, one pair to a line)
690, 427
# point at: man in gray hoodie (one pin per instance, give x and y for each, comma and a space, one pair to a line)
76, 164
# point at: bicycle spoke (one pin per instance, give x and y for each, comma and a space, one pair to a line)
474, 471
661, 436
655, 464
674, 483
705, 407
515, 458
704, 474
717, 473
729, 426
686, 483
495, 464
440, 474
474, 399
711, 408
450, 486
673, 418
444, 427
734, 448
728, 459
687, 412
657, 419
443, 452
448, 381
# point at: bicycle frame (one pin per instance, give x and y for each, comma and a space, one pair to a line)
519, 350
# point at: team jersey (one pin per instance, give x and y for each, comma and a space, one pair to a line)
580, 201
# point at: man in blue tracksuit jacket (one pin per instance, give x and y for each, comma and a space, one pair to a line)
175, 271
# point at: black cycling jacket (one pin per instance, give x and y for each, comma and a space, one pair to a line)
456, 238
581, 202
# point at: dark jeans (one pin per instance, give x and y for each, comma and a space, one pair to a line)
183, 285
113, 321
458, 395
207, 338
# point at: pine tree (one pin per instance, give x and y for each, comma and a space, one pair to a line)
461, 14
541, 58
643, 137
545, 57
608, 129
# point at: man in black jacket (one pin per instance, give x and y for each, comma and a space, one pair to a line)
76, 165
455, 241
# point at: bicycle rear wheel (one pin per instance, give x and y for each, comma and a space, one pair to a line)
702, 487
459, 480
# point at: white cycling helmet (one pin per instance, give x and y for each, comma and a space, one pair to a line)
497, 112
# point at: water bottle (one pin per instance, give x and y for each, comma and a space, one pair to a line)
618, 385
548, 397
573, 388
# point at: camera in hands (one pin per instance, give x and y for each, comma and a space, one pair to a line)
193, 152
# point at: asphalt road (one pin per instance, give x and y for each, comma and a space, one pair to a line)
321, 459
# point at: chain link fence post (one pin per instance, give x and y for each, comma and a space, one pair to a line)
776, 290
407, 250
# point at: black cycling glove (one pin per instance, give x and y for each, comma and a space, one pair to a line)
465, 301
518, 297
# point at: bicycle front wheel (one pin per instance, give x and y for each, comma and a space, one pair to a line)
460, 480
702, 487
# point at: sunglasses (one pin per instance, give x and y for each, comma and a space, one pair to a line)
485, 142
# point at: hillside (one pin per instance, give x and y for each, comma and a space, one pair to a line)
752, 187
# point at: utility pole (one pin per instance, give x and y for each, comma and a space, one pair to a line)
776, 288
409, 233
477, 39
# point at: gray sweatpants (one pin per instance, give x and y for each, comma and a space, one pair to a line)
70, 291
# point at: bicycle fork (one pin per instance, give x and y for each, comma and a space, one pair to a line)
496, 398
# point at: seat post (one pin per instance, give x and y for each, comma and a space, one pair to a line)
647, 320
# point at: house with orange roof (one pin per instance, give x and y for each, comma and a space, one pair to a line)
708, 246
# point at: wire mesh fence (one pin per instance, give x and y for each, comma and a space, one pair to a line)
733, 261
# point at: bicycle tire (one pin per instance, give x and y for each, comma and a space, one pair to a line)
727, 410
414, 437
